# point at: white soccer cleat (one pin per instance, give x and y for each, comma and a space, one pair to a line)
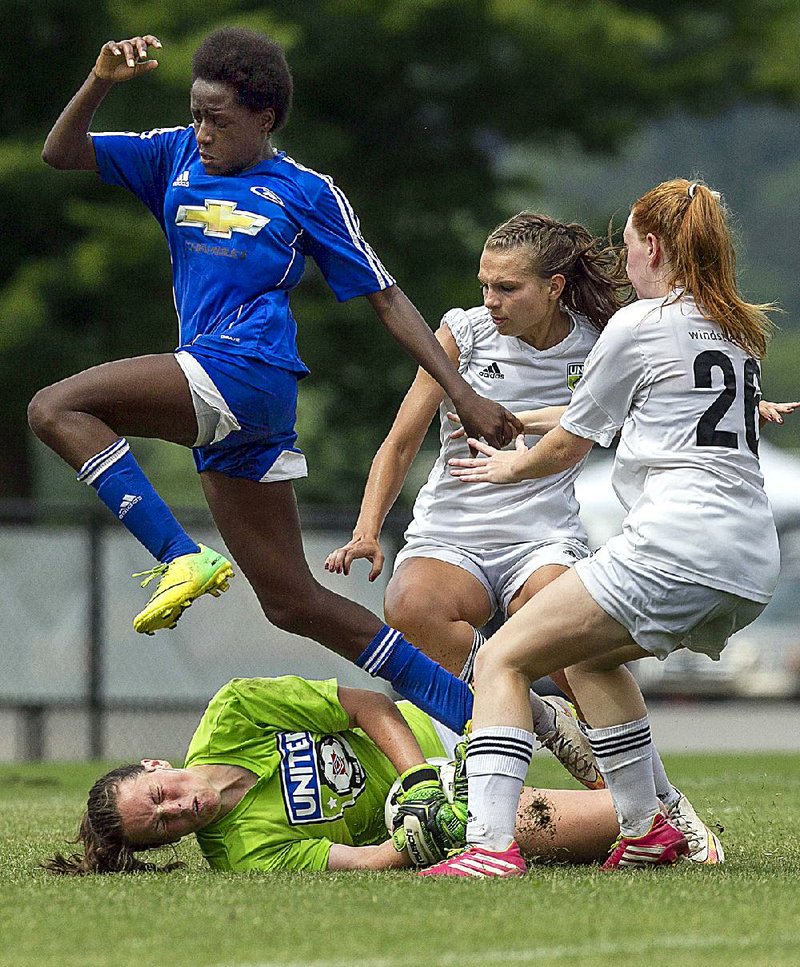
704, 845
569, 744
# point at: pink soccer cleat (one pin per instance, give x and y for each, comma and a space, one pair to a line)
480, 862
661, 845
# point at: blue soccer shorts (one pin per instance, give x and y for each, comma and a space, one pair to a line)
246, 412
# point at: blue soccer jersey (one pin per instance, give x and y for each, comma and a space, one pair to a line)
239, 242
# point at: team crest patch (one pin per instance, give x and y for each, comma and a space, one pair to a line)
267, 195
319, 779
574, 373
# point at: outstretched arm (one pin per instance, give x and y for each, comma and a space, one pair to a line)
481, 417
555, 452
377, 716
68, 145
390, 467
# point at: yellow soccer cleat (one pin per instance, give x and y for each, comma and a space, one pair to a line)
182, 581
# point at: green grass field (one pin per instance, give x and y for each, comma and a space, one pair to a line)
747, 912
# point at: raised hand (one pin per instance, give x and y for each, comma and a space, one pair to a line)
361, 546
122, 60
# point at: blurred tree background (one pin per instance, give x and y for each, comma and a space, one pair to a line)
439, 118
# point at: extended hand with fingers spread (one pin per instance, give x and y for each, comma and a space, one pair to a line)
495, 466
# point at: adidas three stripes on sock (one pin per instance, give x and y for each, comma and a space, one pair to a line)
123, 487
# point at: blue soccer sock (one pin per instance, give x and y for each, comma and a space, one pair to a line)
122, 486
418, 678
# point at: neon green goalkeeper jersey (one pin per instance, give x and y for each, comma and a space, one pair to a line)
319, 782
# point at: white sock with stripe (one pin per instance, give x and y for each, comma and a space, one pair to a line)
466, 673
497, 763
624, 757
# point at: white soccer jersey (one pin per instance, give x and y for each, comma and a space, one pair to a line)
508, 370
686, 467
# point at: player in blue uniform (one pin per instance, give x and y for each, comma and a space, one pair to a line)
240, 219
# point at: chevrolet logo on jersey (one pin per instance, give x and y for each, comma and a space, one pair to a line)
574, 373
220, 219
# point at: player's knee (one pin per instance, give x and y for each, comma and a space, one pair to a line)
497, 661
285, 615
409, 609
486, 665
44, 412
297, 612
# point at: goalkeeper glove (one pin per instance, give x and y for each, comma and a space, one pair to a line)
427, 825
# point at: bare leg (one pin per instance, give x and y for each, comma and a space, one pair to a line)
147, 396
609, 688
566, 825
538, 580
260, 524
436, 606
560, 626
85, 418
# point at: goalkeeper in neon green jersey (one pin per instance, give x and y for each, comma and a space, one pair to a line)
290, 774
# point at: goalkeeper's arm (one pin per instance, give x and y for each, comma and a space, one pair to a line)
379, 718
382, 857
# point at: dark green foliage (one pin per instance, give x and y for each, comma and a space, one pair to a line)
411, 106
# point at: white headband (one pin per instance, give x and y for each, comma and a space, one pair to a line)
693, 188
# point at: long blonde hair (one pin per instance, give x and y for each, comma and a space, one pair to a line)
691, 222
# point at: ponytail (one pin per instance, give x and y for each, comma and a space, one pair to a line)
594, 284
691, 221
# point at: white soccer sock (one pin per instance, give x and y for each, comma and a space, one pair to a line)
466, 673
497, 763
665, 791
624, 757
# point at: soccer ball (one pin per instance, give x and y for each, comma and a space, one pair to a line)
447, 773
